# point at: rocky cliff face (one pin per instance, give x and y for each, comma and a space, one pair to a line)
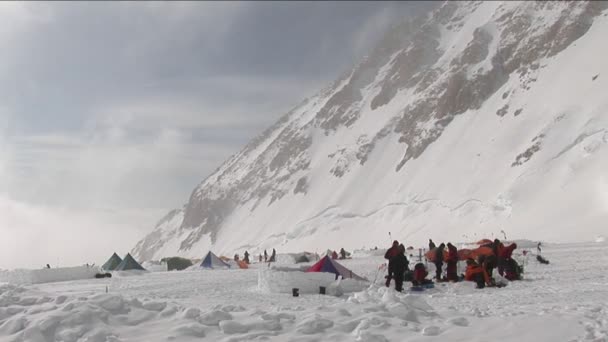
460, 124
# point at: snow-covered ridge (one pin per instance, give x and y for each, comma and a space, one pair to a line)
481, 117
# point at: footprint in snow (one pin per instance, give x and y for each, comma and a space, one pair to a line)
193, 329
459, 321
214, 317
315, 325
369, 337
431, 331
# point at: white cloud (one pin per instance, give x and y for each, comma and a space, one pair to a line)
111, 112
36, 235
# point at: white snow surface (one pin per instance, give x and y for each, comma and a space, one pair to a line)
566, 300
463, 187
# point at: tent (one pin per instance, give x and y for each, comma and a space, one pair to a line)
430, 255
177, 263
487, 251
129, 264
484, 242
301, 258
212, 261
464, 254
329, 265
112, 263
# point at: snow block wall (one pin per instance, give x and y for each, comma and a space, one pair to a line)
284, 280
49, 275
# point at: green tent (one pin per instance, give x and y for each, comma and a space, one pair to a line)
177, 263
112, 263
128, 263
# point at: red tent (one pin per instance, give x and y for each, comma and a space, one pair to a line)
464, 254
487, 251
484, 242
330, 265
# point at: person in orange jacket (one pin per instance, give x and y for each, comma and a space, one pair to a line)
476, 273
452, 260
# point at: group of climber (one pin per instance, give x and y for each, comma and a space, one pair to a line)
451, 260
479, 271
341, 256
398, 268
273, 257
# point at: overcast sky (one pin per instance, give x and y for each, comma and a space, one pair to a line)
111, 112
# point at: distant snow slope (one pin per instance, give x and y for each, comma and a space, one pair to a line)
481, 117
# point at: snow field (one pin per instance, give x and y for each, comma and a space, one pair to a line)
563, 301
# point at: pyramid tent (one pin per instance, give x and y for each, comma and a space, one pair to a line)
128, 264
212, 261
329, 265
112, 263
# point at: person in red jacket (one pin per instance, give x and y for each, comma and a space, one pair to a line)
419, 276
390, 254
507, 252
334, 255
399, 265
439, 261
452, 272
497, 248
488, 263
510, 266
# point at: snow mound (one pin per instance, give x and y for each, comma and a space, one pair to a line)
36, 317
49, 275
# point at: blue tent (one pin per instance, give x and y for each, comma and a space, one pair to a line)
212, 261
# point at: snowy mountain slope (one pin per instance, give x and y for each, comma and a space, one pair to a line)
482, 117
